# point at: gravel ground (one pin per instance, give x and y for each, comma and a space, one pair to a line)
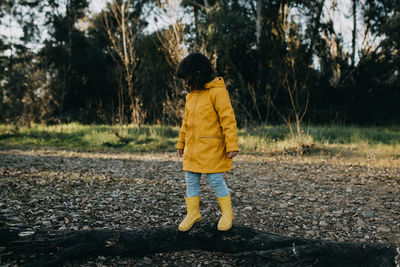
331, 199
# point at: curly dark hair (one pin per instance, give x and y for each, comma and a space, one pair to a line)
196, 69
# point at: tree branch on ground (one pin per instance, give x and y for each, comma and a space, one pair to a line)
249, 245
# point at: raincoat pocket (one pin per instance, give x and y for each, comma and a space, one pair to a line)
210, 149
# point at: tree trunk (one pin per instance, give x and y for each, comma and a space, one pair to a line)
251, 246
354, 37
258, 22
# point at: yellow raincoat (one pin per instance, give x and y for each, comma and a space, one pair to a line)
208, 130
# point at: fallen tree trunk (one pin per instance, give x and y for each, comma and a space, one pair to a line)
253, 246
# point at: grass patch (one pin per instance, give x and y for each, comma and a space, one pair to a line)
317, 140
330, 140
91, 137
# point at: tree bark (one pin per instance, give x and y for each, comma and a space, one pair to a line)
251, 246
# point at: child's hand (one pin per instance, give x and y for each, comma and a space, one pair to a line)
180, 152
233, 154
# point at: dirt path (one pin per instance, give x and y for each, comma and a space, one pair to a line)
335, 200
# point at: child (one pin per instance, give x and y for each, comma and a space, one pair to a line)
207, 139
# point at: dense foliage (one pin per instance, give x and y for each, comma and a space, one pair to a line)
280, 59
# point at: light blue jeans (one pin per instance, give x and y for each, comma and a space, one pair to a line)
215, 180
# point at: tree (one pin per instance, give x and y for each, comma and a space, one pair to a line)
294, 69
172, 40
120, 32
63, 54
22, 81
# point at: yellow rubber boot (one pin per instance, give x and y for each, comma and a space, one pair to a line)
193, 213
225, 222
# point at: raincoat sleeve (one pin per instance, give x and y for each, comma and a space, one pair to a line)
182, 132
223, 107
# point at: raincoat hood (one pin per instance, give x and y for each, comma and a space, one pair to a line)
217, 82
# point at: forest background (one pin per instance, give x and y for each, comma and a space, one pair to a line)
283, 61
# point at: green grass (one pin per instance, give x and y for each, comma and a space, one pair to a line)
328, 140
91, 137
316, 140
